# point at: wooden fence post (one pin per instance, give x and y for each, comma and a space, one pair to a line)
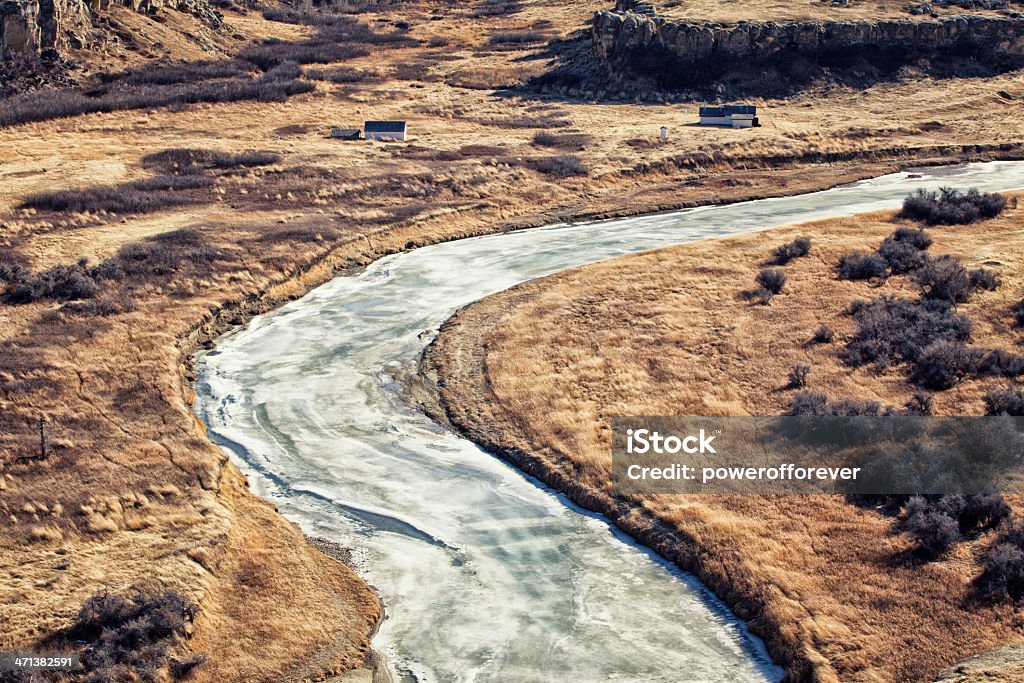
43, 438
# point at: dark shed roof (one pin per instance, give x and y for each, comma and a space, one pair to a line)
729, 110
384, 126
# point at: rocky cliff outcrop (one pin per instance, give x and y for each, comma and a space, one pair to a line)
688, 53
48, 28
40, 26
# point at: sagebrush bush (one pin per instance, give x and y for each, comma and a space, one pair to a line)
974, 513
192, 161
920, 403
290, 15
344, 74
188, 72
492, 8
545, 121
950, 206
761, 296
301, 234
128, 638
1018, 314
1008, 401
930, 336
163, 183
915, 237
808, 403
54, 104
942, 364
934, 531
1002, 576
357, 32
823, 335
772, 279
944, 278
273, 53
160, 255
573, 141
859, 265
109, 304
783, 254
798, 376
182, 237
59, 283
1001, 363
338, 38
901, 257
141, 196
561, 166
517, 37
939, 522
812, 403
983, 278
284, 71
893, 329
12, 265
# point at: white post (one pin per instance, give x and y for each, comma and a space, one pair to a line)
664, 133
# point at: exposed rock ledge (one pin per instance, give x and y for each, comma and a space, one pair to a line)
50, 27
692, 53
998, 665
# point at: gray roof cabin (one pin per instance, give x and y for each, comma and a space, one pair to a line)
734, 115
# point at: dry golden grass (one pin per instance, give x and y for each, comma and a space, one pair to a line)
114, 390
170, 36
537, 371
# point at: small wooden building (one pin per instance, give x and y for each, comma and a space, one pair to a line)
385, 130
345, 133
733, 115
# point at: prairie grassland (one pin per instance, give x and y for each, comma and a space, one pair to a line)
537, 371
132, 493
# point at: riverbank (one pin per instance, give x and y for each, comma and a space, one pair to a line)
533, 373
164, 352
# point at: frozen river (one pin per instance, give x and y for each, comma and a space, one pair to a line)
486, 576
